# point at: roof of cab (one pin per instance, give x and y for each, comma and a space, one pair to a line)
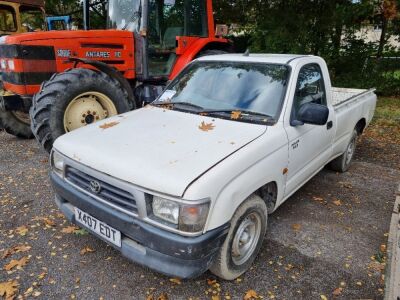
265, 58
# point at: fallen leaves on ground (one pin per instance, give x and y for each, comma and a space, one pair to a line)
206, 126
108, 125
337, 292
250, 294
22, 230
16, 249
85, 250
296, 227
16, 263
70, 229
323, 297
175, 280
337, 202
8, 289
163, 296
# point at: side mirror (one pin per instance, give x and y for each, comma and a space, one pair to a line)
312, 113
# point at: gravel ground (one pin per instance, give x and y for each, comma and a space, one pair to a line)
327, 240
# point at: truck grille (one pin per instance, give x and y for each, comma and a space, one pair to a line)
106, 192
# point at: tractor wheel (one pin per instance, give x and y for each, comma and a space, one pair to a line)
73, 99
16, 123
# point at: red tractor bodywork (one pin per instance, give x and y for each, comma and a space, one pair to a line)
36, 56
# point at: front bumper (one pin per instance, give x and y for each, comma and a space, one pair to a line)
160, 250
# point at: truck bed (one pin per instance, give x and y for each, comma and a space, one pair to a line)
341, 95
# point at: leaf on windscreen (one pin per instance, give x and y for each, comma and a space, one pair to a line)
206, 126
235, 115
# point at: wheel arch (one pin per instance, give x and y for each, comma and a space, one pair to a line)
360, 126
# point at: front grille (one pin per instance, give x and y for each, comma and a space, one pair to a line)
107, 192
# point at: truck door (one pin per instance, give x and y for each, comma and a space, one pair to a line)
310, 146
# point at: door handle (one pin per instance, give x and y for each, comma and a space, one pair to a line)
329, 125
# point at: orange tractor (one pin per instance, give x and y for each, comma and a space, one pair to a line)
67, 79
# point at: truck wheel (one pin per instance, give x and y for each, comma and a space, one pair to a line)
72, 99
342, 163
244, 240
16, 123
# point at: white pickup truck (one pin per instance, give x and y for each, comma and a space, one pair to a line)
186, 184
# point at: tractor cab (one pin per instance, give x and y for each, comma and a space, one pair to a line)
169, 27
59, 23
20, 16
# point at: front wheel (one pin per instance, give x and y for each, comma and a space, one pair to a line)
73, 99
16, 123
244, 240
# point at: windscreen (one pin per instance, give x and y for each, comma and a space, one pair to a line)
231, 86
124, 15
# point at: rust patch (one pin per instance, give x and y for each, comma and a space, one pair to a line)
108, 125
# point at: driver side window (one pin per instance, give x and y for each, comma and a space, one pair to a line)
310, 88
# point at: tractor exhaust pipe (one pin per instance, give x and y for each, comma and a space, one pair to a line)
86, 17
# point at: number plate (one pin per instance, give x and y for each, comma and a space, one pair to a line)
102, 229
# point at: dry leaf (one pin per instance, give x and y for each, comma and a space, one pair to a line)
16, 263
49, 222
337, 292
150, 297
29, 291
163, 296
323, 297
206, 126
22, 230
211, 281
85, 250
296, 227
236, 115
16, 249
175, 280
8, 289
36, 294
215, 297
250, 294
42, 275
108, 125
337, 202
70, 229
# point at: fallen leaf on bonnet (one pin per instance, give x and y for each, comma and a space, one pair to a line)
206, 126
236, 115
250, 294
85, 250
108, 125
16, 263
8, 289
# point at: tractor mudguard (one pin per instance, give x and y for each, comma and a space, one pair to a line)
110, 71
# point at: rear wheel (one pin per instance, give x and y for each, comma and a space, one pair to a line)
244, 239
16, 123
342, 163
73, 99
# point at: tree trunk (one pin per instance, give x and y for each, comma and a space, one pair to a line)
382, 40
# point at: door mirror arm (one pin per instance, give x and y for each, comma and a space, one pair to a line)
296, 123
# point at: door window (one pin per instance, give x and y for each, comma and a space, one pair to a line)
7, 19
310, 88
32, 18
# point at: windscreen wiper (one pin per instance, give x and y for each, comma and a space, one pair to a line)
181, 104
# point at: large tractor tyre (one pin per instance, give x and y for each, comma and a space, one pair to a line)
16, 123
73, 99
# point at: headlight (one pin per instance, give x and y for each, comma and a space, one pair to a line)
186, 217
11, 65
57, 163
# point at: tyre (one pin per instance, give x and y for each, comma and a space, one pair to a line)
16, 123
342, 163
244, 239
72, 99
